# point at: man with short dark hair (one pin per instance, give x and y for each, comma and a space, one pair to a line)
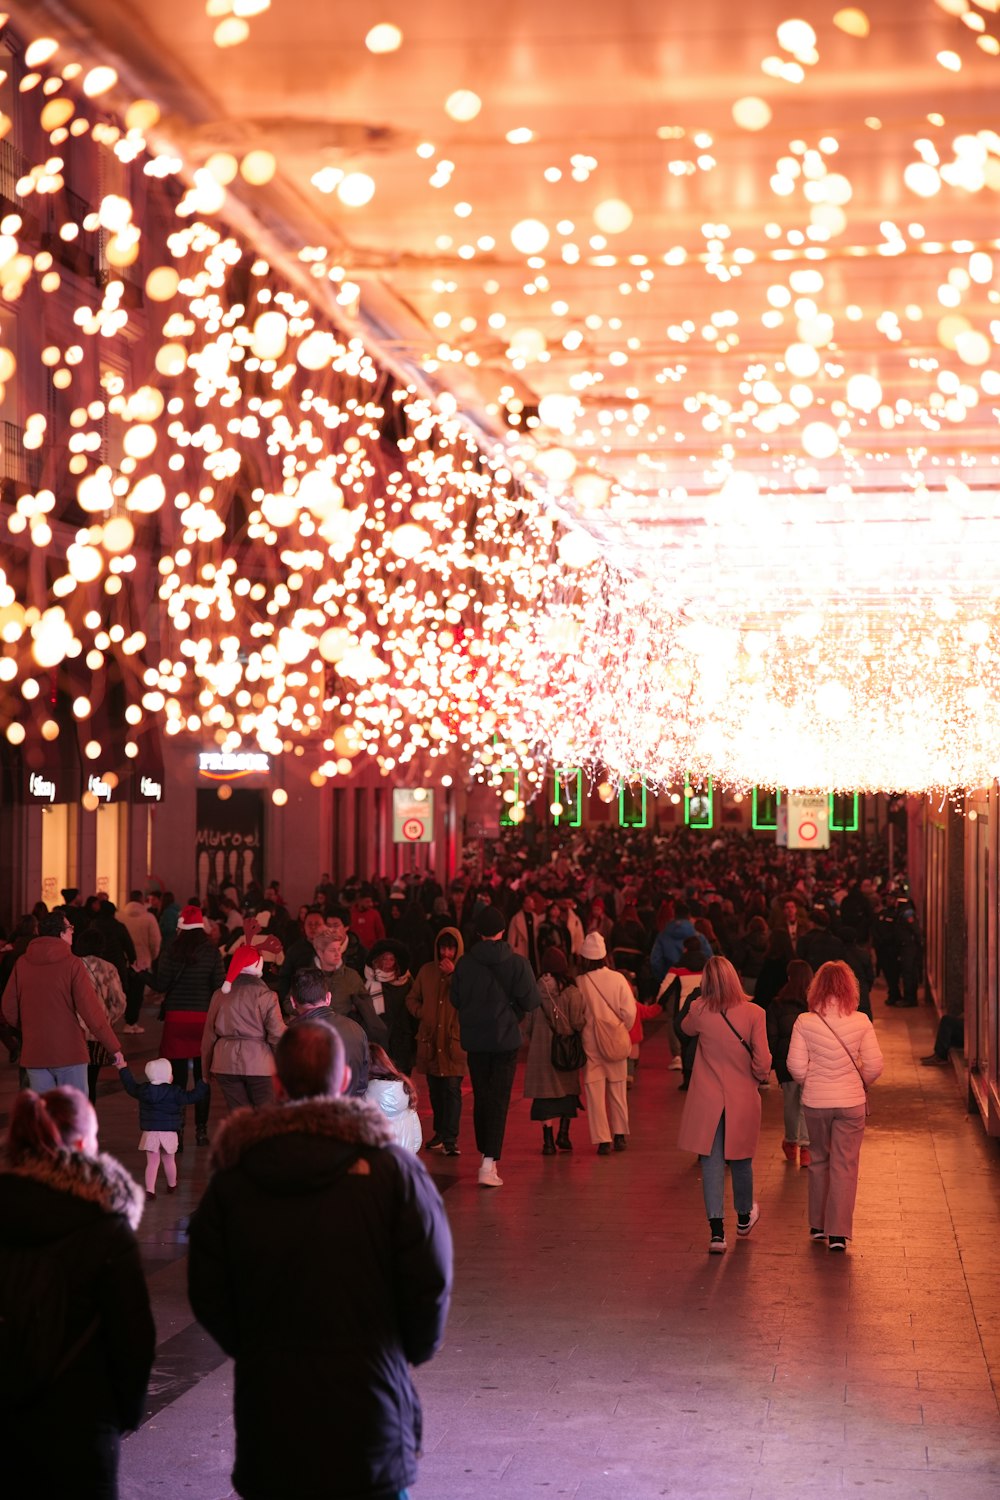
310, 996
324, 1404
49, 998
492, 989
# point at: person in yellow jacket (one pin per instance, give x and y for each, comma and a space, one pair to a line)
439, 1051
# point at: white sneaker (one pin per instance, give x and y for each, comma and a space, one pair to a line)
744, 1229
675, 1065
488, 1174
134, 1030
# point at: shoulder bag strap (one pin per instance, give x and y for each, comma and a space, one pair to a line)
840, 1039
607, 1002
747, 1047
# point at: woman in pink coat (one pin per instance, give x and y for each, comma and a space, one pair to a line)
835, 1055
721, 1119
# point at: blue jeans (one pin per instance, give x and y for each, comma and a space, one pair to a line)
713, 1177
74, 1077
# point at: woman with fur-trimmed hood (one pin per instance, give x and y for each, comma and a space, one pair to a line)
76, 1331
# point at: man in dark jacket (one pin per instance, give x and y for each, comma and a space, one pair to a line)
324, 1403
492, 989
310, 995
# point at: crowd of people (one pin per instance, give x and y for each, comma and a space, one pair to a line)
312, 1025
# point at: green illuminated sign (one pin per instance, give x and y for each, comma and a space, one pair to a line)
632, 803
699, 804
765, 808
844, 812
567, 785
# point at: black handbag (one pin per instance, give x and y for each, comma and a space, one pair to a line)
567, 1054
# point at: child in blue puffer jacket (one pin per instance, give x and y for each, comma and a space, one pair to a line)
161, 1117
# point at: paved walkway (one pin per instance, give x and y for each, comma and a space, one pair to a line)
595, 1350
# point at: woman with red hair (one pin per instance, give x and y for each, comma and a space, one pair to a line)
835, 1055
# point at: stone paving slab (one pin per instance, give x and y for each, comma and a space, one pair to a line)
595, 1350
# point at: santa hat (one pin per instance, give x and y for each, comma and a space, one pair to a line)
245, 960
190, 918
159, 1070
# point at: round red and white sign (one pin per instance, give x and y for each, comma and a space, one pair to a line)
808, 830
413, 829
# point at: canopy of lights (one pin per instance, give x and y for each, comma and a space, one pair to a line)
525, 386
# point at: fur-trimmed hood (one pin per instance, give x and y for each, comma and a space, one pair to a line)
101, 1180
296, 1146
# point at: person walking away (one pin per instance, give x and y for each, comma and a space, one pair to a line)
783, 1012
440, 1055
144, 930
834, 1053
909, 953
189, 974
392, 1093
76, 1331
492, 990
161, 1117
51, 1001
611, 1013
682, 982
315, 1180
643, 1012
554, 1093
242, 1028
104, 977
721, 1119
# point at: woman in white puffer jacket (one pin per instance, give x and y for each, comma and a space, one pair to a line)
393, 1093
835, 1055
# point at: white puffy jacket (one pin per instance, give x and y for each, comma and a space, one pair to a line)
392, 1099
817, 1059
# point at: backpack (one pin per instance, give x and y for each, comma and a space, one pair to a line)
35, 1295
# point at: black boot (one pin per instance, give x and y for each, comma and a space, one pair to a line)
548, 1144
562, 1139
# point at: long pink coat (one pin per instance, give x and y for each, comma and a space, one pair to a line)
722, 1080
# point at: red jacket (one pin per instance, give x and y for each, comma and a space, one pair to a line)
642, 1013
48, 993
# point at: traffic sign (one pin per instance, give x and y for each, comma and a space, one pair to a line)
412, 815
808, 822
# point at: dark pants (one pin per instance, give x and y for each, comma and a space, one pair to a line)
243, 1090
492, 1075
446, 1102
950, 1033
135, 988
180, 1067
82, 1463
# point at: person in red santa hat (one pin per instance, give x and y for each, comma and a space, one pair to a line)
242, 1028
188, 977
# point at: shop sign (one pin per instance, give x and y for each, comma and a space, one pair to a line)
100, 788
41, 788
233, 765
150, 790
412, 815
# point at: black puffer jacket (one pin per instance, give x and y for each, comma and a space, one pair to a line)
321, 1262
190, 972
492, 989
93, 1207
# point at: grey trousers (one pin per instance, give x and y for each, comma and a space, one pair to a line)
835, 1137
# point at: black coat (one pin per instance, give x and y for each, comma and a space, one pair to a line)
493, 989
782, 1015
189, 975
92, 1207
320, 1260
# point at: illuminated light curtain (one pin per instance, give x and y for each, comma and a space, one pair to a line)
567, 786
632, 802
843, 812
699, 804
765, 808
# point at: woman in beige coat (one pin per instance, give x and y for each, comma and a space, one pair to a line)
242, 1028
835, 1055
721, 1119
555, 1094
608, 997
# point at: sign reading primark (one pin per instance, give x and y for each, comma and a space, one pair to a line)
232, 765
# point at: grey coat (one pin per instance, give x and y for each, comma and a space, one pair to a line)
541, 1079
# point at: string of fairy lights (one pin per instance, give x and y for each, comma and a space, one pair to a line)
677, 563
